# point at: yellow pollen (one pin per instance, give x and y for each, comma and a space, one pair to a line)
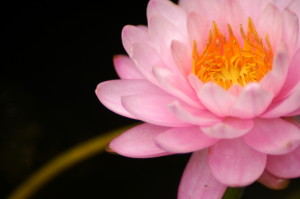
226, 62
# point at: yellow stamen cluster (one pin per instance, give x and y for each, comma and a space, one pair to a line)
226, 62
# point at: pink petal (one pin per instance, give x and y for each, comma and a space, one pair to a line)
285, 166
290, 29
197, 181
234, 163
284, 106
152, 109
182, 57
294, 6
138, 142
192, 115
176, 86
184, 140
270, 22
273, 182
168, 10
197, 25
206, 8
145, 58
195, 82
252, 101
125, 68
163, 32
231, 13
110, 93
228, 128
131, 34
293, 76
274, 80
216, 99
273, 136
294, 113
235, 89
281, 4
254, 7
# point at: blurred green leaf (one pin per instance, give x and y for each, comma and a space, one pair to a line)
233, 193
294, 195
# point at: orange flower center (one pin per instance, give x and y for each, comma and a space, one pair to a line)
226, 62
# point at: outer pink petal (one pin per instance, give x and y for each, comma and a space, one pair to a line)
216, 99
125, 68
273, 136
184, 140
163, 32
145, 58
234, 163
274, 80
176, 86
284, 106
228, 128
270, 22
195, 116
294, 113
138, 142
152, 109
197, 181
168, 10
132, 34
293, 76
252, 101
285, 166
110, 93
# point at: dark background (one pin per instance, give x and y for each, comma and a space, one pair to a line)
53, 56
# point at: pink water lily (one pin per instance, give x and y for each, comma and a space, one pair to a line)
219, 78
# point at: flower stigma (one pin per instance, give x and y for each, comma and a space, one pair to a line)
226, 62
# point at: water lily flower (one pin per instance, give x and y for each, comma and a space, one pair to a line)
218, 78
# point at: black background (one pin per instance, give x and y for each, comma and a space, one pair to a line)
53, 56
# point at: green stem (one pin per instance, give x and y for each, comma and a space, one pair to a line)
62, 162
